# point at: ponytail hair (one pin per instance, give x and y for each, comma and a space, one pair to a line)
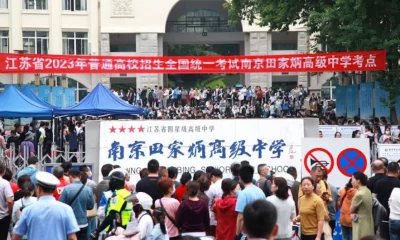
227, 186
27, 188
159, 215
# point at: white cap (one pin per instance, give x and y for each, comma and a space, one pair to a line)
118, 170
144, 200
47, 180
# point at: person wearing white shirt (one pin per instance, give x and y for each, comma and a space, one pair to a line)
28, 191
285, 207
394, 217
214, 193
142, 212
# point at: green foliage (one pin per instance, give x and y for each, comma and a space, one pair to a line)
344, 25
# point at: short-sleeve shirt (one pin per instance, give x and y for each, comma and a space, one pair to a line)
170, 205
34, 220
5, 192
383, 188
249, 194
311, 210
30, 147
60, 188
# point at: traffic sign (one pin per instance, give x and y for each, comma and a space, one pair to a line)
351, 160
321, 157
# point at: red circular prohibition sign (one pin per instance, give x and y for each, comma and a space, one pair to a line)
351, 162
309, 153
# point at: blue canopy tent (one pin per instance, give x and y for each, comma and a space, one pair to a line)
28, 92
14, 104
100, 102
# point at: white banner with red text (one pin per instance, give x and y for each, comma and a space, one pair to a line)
194, 145
315, 62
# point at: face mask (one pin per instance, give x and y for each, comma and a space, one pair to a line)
387, 132
268, 175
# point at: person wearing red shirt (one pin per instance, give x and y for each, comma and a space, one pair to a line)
180, 191
8, 177
224, 209
58, 172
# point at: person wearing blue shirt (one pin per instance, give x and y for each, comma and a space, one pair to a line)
81, 199
175, 94
249, 194
48, 218
31, 170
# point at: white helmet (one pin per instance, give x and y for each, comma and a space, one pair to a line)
144, 200
289, 178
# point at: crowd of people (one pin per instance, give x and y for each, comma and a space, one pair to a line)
68, 204
230, 102
27, 140
377, 130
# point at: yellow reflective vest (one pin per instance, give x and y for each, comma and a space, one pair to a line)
116, 202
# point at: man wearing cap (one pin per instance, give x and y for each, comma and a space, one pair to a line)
27, 149
30, 170
48, 218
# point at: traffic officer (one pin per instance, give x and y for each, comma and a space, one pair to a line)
118, 208
48, 218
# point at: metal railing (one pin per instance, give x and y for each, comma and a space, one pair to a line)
18, 161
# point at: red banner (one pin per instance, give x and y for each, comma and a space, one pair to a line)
321, 62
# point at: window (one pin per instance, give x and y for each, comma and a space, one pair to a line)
4, 41
35, 4
36, 42
123, 42
75, 43
202, 20
282, 41
3, 4
74, 5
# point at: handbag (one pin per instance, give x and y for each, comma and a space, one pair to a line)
92, 213
327, 231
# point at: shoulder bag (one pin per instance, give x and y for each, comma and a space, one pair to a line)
168, 216
76, 195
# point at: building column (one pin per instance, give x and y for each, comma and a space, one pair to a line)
302, 47
105, 51
257, 44
150, 44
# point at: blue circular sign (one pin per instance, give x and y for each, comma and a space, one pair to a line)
351, 160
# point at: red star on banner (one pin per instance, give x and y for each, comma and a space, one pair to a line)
122, 129
131, 129
141, 129
112, 129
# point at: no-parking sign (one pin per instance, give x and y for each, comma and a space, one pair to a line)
340, 157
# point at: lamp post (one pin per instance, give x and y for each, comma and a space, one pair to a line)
20, 76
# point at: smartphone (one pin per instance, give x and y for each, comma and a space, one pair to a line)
355, 218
